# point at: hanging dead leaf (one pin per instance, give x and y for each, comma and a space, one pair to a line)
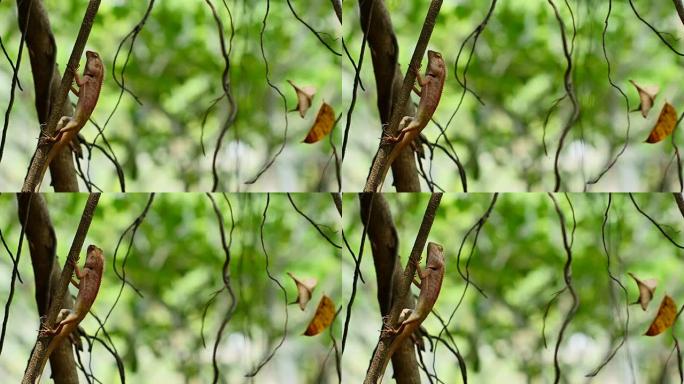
667, 121
325, 120
646, 289
647, 95
665, 317
325, 313
304, 289
304, 96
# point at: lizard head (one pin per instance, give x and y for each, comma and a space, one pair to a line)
436, 65
93, 63
95, 258
435, 257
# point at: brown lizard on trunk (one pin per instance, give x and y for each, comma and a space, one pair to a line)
88, 93
430, 285
88, 285
410, 127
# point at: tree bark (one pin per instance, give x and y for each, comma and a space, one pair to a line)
384, 241
61, 285
42, 242
403, 284
33, 19
59, 99
376, 24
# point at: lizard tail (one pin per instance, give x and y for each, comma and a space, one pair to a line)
50, 348
393, 347
390, 160
50, 157
383, 174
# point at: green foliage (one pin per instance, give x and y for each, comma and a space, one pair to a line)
175, 72
175, 263
518, 263
517, 70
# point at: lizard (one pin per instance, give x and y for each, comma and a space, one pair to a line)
88, 285
410, 127
430, 285
88, 92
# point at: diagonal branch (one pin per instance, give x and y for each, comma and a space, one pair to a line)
40, 156
40, 349
399, 109
679, 5
404, 285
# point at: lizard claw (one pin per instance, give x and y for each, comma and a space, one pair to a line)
75, 69
45, 139
45, 331
389, 332
389, 139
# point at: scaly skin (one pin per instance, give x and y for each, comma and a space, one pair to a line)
430, 285
88, 93
88, 285
430, 93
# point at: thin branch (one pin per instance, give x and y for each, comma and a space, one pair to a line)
310, 220
39, 352
624, 96
226, 84
652, 28
274, 87
679, 5
399, 109
617, 281
225, 245
270, 355
567, 277
680, 202
316, 33
570, 91
403, 286
40, 156
660, 228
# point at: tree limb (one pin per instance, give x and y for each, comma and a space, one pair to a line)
38, 354
40, 234
679, 4
404, 285
399, 109
59, 100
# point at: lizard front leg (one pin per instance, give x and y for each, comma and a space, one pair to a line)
403, 125
59, 131
412, 318
70, 125
62, 318
78, 79
403, 316
419, 78
421, 81
79, 82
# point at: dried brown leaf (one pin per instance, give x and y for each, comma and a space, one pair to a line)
665, 317
325, 121
667, 121
647, 95
646, 289
325, 313
305, 95
304, 290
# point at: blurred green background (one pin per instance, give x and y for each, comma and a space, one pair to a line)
517, 69
176, 258
175, 70
518, 263
175, 261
